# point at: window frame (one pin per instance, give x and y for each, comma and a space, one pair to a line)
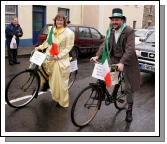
97, 32
12, 14
84, 37
66, 12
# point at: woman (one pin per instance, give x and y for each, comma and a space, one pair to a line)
58, 44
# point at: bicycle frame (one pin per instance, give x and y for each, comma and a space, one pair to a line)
104, 93
36, 69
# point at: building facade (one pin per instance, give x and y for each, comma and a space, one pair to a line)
98, 16
148, 16
33, 17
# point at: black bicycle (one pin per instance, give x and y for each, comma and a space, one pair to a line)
25, 85
88, 102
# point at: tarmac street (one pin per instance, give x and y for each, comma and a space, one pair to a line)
43, 114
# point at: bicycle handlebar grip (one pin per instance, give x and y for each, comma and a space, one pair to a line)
114, 68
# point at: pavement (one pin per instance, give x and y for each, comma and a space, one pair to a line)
22, 51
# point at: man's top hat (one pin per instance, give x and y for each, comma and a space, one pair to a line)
117, 13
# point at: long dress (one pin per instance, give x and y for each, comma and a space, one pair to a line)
59, 68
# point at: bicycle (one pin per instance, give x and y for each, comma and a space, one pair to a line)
88, 102
25, 85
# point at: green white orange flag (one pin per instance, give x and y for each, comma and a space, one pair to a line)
107, 76
105, 55
52, 44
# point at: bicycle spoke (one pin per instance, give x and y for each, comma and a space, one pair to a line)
22, 88
85, 107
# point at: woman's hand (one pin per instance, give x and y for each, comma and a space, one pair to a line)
38, 49
94, 59
51, 58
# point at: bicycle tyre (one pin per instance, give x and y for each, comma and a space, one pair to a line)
22, 89
79, 113
120, 100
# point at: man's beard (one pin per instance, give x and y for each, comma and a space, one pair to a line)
117, 28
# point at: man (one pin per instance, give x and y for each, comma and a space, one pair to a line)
122, 52
11, 30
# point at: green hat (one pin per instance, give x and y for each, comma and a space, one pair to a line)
117, 13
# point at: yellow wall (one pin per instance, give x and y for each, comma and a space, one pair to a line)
25, 17
131, 12
91, 15
75, 13
25, 20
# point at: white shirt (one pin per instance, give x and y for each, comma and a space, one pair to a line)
117, 34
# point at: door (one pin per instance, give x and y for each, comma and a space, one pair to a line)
97, 39
84, 40
39, 21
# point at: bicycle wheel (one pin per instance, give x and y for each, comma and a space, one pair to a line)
72, 78
22, 88
85, 106
120, 101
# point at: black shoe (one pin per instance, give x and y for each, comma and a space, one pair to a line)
129, 117
11, 63
17, 62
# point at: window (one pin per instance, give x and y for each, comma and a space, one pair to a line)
134, 24
46, 29
65, 11
84, 32
72, 28
95, 34
151, 38
10, 12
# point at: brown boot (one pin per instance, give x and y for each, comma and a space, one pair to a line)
129, 117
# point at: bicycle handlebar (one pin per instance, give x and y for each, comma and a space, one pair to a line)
114, 68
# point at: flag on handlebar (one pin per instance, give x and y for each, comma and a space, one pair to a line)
107, 76
105, 55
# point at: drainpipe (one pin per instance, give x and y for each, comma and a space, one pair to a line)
81, 14
101, 19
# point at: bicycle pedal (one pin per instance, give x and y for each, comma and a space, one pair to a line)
107, 101
120, 100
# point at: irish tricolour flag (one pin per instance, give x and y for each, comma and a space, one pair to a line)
52, 44
107, 76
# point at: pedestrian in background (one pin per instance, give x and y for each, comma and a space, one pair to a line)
121, 48
13, 32
58, 44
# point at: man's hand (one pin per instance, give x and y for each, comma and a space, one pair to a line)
94, 59
120, 66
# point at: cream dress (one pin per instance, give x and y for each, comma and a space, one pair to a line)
59, 68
